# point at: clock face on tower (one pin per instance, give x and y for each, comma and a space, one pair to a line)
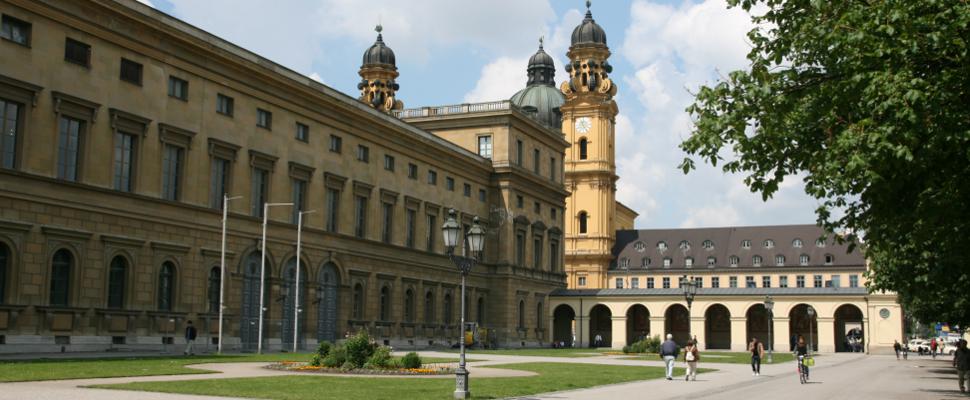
583, 124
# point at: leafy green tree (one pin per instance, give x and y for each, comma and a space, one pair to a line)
868, 102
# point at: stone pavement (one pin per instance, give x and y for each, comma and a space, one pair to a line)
837, 376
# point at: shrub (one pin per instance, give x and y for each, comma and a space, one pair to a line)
323, 349
348, 366
359, 349
411, 360
648, 345
336, 358
380, 359
627, 350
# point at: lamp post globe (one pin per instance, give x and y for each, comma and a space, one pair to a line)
690, 290
769, 305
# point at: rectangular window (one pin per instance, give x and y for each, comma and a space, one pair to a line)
410, 217
519, 202
553, 255
853, 281
715, 282
224, 104
552, 213
336, 142
264, 119
131, 71
537, 252
733, 282
666, 283
749, 282
482, 195
699, 281
836, 281
69, 148
766, 281
260, 191
302, 132
520, 248
536, 207
9, 125
619, 283
450, 184
363, 153
535, 160
467, 190
649, 283
581, 281
388, 163
360, 216
172, 172
432, 231
15, 30
299, 198
432, 177
800, 281
412, 171
518, 153
387, 230
552, 169
124, 165
77, 52
817, 281
178, 88
485, 146
634, 283
218, 182
333, 209
783, 281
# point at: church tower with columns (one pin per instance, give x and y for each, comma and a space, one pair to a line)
378, 73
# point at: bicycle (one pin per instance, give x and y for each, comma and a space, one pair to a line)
803, 363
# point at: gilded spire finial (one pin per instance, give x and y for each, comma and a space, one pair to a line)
541, 39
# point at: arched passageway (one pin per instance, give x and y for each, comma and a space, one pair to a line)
249, 314
288, 291
757, 321
717, 327
563, 323
600, 325
799, 324
677, 323
849, 333
328, 284
637, 323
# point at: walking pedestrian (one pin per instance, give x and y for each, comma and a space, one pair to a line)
598, 340
757, 351
668, 352
190, 335
897, 347
793, 342
961, 361
933, 348
691, 357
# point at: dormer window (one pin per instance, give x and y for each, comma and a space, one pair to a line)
645, 262
734, 261
819, 242
639, 246
708, 245
803, 259
662, 246
689, 262
624, 263
829, 259
711, 262
780, 260
768, 243
667, 262
756, 261
745, 244
797, 243
684, 245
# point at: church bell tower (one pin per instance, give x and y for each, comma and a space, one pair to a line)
378, 72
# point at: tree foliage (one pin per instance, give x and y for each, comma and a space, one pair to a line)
867, 101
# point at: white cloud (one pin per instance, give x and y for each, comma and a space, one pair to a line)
147, 3
315, 76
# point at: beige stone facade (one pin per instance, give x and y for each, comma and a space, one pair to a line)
128, 126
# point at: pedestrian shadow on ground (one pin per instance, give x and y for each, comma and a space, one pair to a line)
947, 394
943, 371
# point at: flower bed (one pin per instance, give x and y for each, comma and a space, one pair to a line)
430, 369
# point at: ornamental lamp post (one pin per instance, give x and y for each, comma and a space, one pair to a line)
476, 242
690, 290
769, 305
811, 329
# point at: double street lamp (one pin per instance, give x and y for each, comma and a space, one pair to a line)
262, 273
811, 329
690, 290
475, 238
770, 304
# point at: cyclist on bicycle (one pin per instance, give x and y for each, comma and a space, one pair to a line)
802, 351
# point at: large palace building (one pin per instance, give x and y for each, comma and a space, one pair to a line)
123, 132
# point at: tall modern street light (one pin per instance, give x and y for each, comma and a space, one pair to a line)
811, 330
769, 305
476, 242
262, 274
690, 290
222, 264
296, 300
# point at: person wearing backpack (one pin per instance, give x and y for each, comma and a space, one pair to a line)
691, 357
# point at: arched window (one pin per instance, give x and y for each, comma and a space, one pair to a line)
385, 309
429, 307
639, 246
582, 221
481, 311
756, 261
684, 245
166, 286
448, 310
409, 305
746, 244
734, 261
708, 245
539, 313
117, 273
61, 265
803, 259
662, 246
780, 260
358, 302
768, 243
583, 146
624, 263
521, 314
796, 243
4, 261
215, 289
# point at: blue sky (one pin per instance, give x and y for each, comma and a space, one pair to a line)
451, 51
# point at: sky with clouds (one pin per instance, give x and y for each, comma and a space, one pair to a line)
465, 51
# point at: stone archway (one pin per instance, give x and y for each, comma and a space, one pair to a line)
757, 324
563, 322
717, 327
677, 323
637, 323
328, 284
849, 332
600, 323
249, 312
800, 324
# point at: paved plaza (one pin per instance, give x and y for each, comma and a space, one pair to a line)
837, 376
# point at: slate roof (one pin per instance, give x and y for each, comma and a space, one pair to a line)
638, 245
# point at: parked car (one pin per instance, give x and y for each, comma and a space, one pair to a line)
920, 346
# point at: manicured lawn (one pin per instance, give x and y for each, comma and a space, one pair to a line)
543, 352
42, 370
725, 357
552, 377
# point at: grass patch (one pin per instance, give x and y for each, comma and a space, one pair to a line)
722, 357
540, 352
552, 377
42, 370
